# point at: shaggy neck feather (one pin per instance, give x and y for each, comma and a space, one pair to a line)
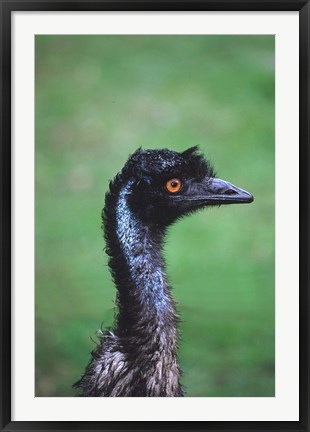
144, 302
142, 254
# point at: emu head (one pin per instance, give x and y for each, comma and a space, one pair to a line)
168, 185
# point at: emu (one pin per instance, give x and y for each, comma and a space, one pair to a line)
138, 357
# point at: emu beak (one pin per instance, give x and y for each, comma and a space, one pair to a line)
220, 191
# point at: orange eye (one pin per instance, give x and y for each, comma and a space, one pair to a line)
173, 185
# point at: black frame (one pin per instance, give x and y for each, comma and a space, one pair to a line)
9, 6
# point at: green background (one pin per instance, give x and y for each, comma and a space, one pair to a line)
98, 98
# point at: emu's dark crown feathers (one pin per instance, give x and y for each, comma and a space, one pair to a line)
161, 163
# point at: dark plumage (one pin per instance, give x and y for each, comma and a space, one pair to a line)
155, 188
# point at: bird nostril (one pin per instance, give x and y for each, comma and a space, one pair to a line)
230, 192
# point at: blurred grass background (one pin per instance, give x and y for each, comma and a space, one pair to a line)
98, 98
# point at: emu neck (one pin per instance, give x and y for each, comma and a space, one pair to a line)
143, 298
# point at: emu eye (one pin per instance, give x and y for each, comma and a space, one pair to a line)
174, 185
